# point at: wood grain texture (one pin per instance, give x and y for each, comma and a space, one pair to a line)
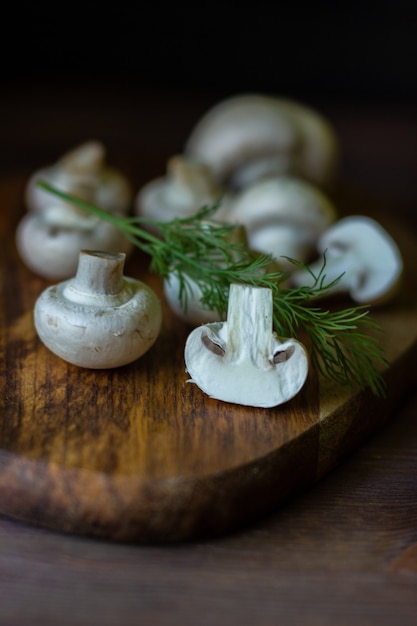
136, 453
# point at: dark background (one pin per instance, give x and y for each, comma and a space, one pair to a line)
139, 78
345, 552
309, 51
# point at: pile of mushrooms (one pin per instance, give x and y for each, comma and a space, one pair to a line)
51, 234
238, 142
271, 162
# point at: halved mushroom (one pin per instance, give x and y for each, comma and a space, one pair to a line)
242, 360
365, 257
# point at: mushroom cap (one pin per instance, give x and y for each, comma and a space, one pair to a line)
286, 199
283, 216
85, 159
52, 251
187, 186
359, 246
253, 135
83, 173
194, 313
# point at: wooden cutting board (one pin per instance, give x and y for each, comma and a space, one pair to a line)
137, 453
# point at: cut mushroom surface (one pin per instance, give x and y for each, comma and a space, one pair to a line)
242, 360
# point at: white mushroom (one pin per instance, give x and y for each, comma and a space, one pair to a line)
193, 312
190, 309
242, 360
100, 318
50, 247
187, 187
250, 136
51, 234
83, 172
365, 257
283, 216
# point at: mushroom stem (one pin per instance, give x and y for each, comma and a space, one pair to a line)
99, 272
249, 318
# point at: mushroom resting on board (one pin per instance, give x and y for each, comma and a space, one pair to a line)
242, 360
51, 234
251, 136
283, 216
98, 319
364, 258
185, 188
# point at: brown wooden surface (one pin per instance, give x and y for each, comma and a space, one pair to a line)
343, 552
136, 453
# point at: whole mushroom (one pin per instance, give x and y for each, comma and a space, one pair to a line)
51, 234
283, 216
50, 247
83, 172
252, 136
100, 318
190, 309
186, 187
364, 258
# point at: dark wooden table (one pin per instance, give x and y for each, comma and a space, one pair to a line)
343, 553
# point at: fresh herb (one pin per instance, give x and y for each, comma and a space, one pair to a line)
343, 344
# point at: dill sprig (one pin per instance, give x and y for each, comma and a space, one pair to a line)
201, 252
